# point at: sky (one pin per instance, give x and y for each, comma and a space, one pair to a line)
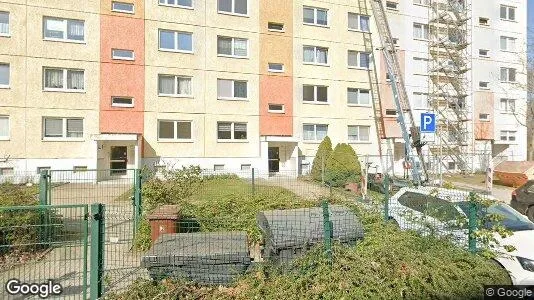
530, 26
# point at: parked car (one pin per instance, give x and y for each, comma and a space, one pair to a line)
523, 199
444, 212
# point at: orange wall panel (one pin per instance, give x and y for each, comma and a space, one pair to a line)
391, 127
276, 90
484, 104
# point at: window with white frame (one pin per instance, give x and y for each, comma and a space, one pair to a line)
358, 133
484, 117
4, 127
174, 85
420, 31
246, 167
508, 135
420, 100
359, 59
507, 13
228, 89
68, 128
230, 46
4, 23
121, 54
358, 96
177, 3
315, 55
122, 7
507, 43
4, 75
483, 53
177, 41
231, 131
71, 80
359, 22
507, 105
239, 7
508, 74
122, 101
483, 85
276, 108
77, 169
218, 167
314, 132
67, 30
315, 93
315, 16
275, 67
273, 26
421, 2
171, 130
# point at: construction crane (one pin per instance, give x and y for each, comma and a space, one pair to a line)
410, 132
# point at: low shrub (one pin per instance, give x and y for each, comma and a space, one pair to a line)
343, 166
321, 158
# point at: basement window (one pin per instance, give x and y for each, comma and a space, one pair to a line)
79, 169
218, 167
272, 26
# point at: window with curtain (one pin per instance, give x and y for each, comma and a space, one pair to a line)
166, 130
358, 133
64, 79
53, 127
175, 41
314, 132
174, 130
358, 96
75, 128
358, 22
4, 127
231, 89
173, 85
184, 3
315, 55
75, 80
315, 16
420, 31
4, 23
240, 131
64, 29
231, 131
4, 75
232, 46
224, 131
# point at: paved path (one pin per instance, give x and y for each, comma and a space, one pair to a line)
502, 193
302, 188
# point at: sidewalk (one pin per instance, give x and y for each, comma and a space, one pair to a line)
502, 193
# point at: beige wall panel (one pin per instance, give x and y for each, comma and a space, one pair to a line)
195, 16
15, 95
15, 146
16, 43
92, 6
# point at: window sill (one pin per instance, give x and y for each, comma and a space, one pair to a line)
276, 71
418, 108
233, 99
485, 121
484, 89
421, 74
315, 64
360, 142
63, 140
123, 11
6, 35
177, 51
122, 105
124, 59
421, 40
508, 81
176, 96
233, 14
316, 25
508, 51
508, 20
274, 30
232, 141
177, 6
4, 139
423, 5
173, 141
484, 57
358, 30
276, 112
64, 91
315, 102
64, 41
5, 87
358, 68
233, 56
359, 105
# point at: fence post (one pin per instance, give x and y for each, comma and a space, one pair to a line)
328, 231
472, 242
43, 200
97, 251
137, 198
386, 198
253, 182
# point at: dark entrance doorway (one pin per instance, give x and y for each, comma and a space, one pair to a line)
118, 160
274, 159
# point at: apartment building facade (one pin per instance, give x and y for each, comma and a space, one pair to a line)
483, 49
224, 84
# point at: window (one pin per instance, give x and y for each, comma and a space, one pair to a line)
4, 23
314, 132
315, 16
507, 13
508, 135
507, 43
218, 167
42, 169
396, 42
173, 85
508, 74
315, 93
483, 53
508, 105
239, 7
234, 47
177, 3
4, 75
421, 2
122, 7
315, 55
359, 59
420, 100
231, 89
246, 167
272, 26
276, 68
420, 31
231, 131
483, 21
358, 96
358, 133
483, 117
4, 127
69, 128
64, 80
483, 85
64, 30
175, 41
6, 171
174, 130
359, 22
122, 54
392, 5
420, 66
122, 101
276, 108
77, 169
391, 112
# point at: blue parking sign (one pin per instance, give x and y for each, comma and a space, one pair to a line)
428, 122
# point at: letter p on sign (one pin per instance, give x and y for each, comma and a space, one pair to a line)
428, 122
